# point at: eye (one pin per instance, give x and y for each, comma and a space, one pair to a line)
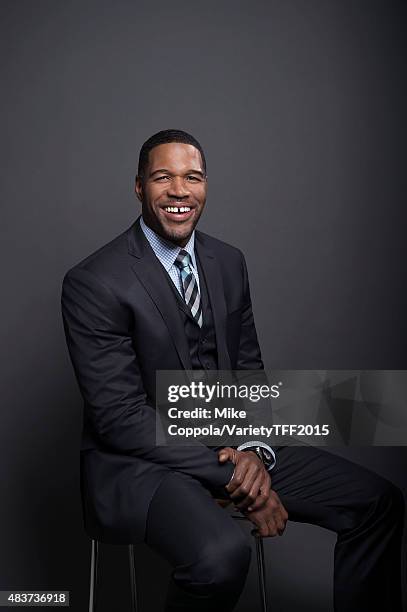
162, 178
192, 178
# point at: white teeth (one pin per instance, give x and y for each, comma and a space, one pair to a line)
176, 209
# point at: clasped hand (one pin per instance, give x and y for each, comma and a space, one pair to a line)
250, 491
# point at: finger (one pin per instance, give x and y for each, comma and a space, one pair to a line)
250, 477
263, 492
259, 502
281, 528
242, 492
263, 529
282, 512
280, 523
237, 478
244, 464
224, 454
252, 495
272, 527
276, 515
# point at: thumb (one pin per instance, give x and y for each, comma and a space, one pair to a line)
223, 456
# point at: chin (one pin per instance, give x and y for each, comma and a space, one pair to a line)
177, 235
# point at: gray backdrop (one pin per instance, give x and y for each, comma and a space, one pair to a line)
300, 107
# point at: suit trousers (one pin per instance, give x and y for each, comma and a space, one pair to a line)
210, 553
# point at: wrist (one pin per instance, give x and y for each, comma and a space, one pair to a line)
252, 452
262, 450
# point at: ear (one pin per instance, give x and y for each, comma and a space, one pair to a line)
138, 189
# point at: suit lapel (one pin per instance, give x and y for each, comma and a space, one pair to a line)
151, 274
211, 270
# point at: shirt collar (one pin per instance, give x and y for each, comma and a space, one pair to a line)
166, 251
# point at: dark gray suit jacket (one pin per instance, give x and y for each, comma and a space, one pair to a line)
122, 324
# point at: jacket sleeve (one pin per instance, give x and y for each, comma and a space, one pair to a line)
249, 357
97, 329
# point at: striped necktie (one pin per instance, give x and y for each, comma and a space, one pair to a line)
189, 286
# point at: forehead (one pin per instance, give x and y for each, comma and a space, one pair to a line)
175, 156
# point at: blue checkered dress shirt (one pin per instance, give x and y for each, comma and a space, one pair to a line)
166, 252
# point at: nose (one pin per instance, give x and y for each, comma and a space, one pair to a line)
177, 188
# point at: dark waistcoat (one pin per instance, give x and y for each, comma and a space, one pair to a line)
201, 340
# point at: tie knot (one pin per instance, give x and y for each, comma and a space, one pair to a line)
183, 259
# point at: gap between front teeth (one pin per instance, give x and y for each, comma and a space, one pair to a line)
177, 209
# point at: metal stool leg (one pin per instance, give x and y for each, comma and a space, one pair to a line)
260, 564
133, 582
261, 570
93, 576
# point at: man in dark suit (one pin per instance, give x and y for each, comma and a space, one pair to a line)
163, 296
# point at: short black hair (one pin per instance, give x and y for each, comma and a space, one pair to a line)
164, 137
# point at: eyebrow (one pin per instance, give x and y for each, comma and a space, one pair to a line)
191, 171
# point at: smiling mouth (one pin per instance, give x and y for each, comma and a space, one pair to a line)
178, 212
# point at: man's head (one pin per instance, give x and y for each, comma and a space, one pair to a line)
172, 175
